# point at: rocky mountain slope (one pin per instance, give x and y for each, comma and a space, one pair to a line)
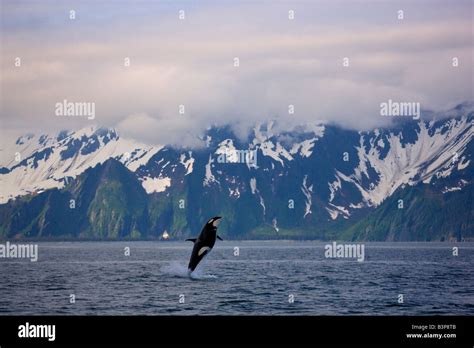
410, 182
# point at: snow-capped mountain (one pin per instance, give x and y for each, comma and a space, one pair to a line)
34, 163
305, 182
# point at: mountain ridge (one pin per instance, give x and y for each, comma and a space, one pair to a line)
327, 182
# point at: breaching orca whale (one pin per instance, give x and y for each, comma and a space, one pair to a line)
204, 242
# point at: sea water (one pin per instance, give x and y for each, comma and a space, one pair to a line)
239, 278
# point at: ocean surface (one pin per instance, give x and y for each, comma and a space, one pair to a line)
262, 279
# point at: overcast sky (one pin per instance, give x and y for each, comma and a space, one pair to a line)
190, 62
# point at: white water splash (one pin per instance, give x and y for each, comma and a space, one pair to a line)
196, 275
175, 269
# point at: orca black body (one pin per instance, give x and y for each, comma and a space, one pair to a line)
204, 242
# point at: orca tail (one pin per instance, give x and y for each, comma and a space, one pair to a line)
191, 240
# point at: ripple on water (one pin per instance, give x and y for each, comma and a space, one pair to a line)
259, 281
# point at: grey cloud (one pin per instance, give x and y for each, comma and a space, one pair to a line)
191, 63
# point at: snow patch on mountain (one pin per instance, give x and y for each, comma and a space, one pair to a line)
187, 162
253, 185
275, 224
155, 184
209, 177
254, 190
307, 191
305, 148
459, 187
235, 193
406, 163
276, 152
333, 187
335, 210
463, 165
269, 148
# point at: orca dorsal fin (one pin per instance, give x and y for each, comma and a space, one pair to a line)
191, 240
218, 237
